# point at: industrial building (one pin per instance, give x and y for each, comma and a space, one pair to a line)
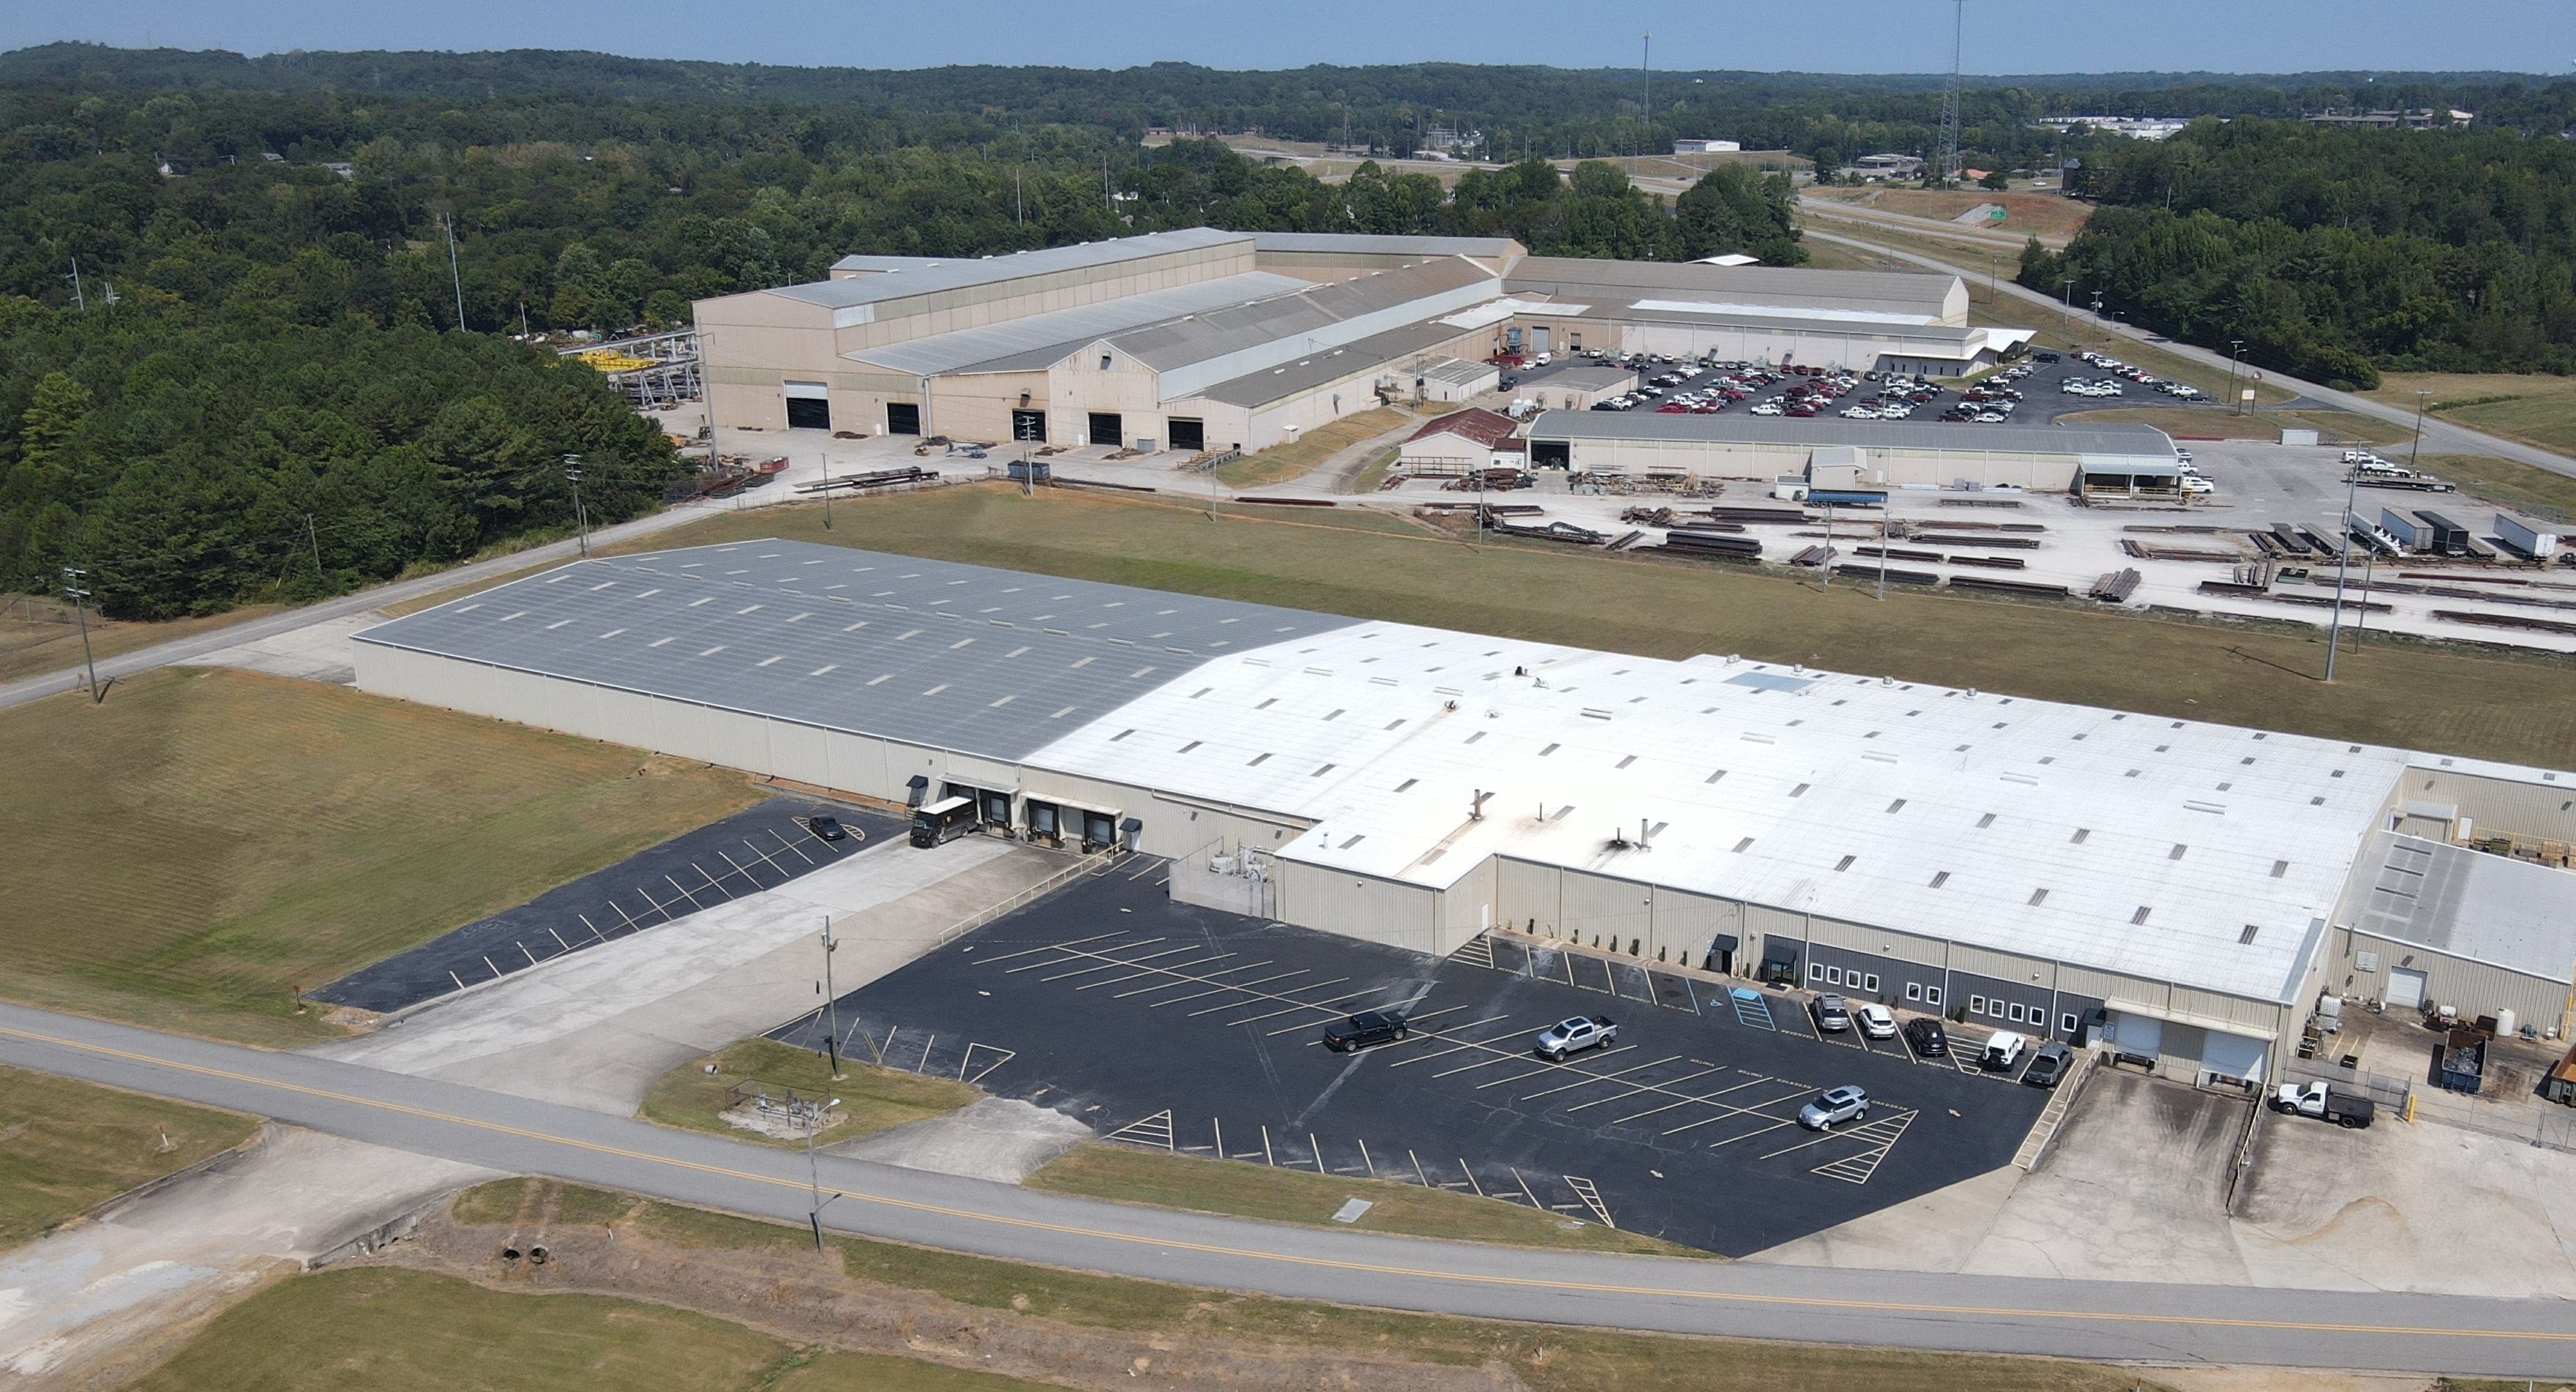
1461, 443
2035, 458
1209, 340
2180, 889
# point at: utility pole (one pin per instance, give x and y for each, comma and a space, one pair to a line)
827, 490
72, 591
455, 277
2421, 396
1646, 74
1885, 535
1829, 545
2343, 566
2235, 362
831, 1003
580, 519
80, 301
316, 541
2066, 316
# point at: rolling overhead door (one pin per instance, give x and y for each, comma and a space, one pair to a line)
2224, 1055
903, 418
2137, 1036
1105, 427
1186, 434
809, 405
2405, 988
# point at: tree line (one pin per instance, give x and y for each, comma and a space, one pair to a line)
2337, 253
231, 371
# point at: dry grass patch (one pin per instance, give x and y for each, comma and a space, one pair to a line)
1102, 1171
211, 840
67, 1146
872, 1098
2533, 408
37, 636
2505, 482
1301, 456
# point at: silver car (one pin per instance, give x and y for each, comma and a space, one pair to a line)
1832, 1015
1834, 1106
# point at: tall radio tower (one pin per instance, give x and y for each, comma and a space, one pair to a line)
1948, 170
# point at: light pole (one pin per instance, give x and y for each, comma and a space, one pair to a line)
2235, 364
831, 1002
2421, 396
72, 591
1829, 544
827, 490
2343, 566
2066, 315
580, 519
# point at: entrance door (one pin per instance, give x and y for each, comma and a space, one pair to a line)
903, 418
2405, 988
1105, 427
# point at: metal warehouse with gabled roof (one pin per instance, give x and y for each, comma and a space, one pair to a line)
2179, 889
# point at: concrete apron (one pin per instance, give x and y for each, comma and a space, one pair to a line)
595, 1028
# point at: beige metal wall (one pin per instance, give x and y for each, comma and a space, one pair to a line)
1361, 906
1891, 468
2477, 988
2543, 810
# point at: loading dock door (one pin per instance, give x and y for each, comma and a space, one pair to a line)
903, 418
1099, 829
2138, 1036
2405, 988
809, 406
1106, 429
1187, 434
1045, 822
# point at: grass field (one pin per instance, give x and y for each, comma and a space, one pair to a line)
2504, 481
872, 1098
31, 642
1101, 1171
213, 839
1299, 457
1373, 474
2457, 700
1544, 1359
392, 1330
66, 1146
2535, 409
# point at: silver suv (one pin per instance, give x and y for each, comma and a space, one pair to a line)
1833, 1106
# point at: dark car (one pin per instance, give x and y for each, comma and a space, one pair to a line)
1366, 1028
828, 828
2045, 357
1927, 1037
2049, 1066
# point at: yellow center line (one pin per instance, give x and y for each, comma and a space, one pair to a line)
1290, 1259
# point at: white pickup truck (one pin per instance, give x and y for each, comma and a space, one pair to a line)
2326, 1103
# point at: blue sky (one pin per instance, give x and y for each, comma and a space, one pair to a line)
2004, 36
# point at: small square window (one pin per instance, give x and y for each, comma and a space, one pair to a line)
2013, 1013
1869, 982
1815, 971
1914, 990
2066, 1024
1931, 995
1976, 1005
1833, 976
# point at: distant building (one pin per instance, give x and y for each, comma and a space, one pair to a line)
1461, 443
1707, 147
1875, 168
2427, 119
2135, 127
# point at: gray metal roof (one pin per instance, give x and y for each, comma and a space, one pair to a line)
1585, 378
1215, 334
1040, 340
2467, 903
888, 263
1576, 278
1370, 244
1392, 350
1960, 337
935, 653
986, 270
1458, 371
2105, 440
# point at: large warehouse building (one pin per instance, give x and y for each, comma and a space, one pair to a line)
1201, 339
2184, 890
2037, 458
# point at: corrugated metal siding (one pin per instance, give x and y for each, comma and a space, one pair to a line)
1769, 929
1879, 942
800, 752
2497, 804
1686, 923
1467, 907
1605, 912
2475, 987
2178, 1055
1373, 910
2004, 966
2113, 987
1526, 895
857, 764
2258, 1015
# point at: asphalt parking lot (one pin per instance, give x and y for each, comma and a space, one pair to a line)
2042, 403
1164, 1025
758, 848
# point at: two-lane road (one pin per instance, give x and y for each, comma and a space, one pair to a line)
2082, 1319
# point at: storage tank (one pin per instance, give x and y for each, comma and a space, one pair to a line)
2505, 1021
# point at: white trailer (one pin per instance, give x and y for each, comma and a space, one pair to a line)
2530, 541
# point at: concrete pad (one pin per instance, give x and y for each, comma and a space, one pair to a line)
595, 1028
321, 652
2420, 1207
1939, 1231
96, 1303
997, 1138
